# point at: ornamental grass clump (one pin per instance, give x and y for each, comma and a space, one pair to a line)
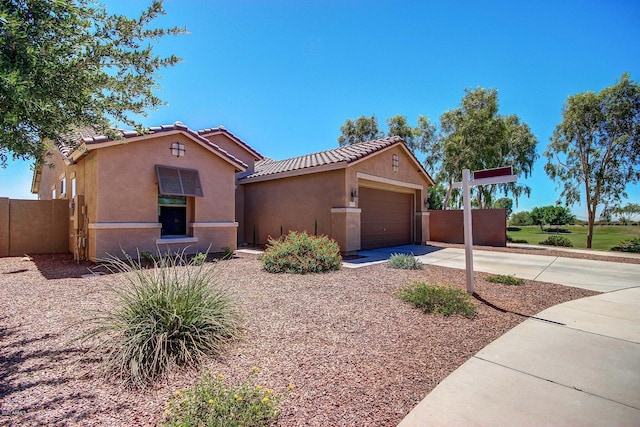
301, 253
170, 315
213, 402
438, 299
404, 261
505, 280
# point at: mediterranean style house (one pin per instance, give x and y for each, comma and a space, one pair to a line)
174, 189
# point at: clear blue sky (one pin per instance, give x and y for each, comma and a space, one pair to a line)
284, 75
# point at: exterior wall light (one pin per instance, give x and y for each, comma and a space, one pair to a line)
354, 195
177, 149
426, 202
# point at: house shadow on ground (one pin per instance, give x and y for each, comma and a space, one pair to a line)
383, 254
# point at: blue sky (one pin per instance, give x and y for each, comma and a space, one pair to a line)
284, 75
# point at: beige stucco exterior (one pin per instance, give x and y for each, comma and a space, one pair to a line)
118, 188
322, 199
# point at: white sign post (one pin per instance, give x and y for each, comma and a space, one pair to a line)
483, 177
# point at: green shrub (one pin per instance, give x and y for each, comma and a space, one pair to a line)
557, 241
632, 245
227, 252
505, 280
199, 258
212, 402
301, 253
404, 261
172, 314
438, 299
512, 240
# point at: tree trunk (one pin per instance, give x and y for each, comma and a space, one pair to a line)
591, 219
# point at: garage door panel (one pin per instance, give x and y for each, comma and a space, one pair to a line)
385, 218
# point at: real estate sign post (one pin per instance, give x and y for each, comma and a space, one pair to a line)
483, 177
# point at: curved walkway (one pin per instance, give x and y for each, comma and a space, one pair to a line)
576, 364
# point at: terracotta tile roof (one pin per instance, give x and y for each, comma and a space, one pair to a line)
348, 154
222, 129
89, 137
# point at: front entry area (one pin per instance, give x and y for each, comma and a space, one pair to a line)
385, 218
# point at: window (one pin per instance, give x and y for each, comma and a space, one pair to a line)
73, 187
63, 189
394, 163
172, 214
53, 193
178, 182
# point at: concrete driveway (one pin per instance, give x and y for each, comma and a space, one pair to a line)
574, 364
600, 276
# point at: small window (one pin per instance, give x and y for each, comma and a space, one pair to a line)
394, 163
63, 189
73, 187
53, 193
172, 214
178, 182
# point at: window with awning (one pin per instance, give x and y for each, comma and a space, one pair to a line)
178, 181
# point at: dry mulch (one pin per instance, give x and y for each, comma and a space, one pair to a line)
357, 355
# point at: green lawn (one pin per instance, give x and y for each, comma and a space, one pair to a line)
604, 237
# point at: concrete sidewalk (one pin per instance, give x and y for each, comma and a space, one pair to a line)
574, 364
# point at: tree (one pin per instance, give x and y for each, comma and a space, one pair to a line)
552, 215
359, 130
521, 218
627, 213
68, 64
596, 148
474, 136
504, 203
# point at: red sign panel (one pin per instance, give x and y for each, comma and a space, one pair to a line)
488, 173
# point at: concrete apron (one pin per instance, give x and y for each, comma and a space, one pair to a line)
578, 365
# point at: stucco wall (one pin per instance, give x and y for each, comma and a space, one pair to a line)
33, 227
293, 203
489, 226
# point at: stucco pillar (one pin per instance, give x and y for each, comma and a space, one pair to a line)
422, 227
345, 228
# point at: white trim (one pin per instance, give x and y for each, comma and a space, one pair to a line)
297, 172
347, 210
422, 213
176, 240
214, 224
374, 178
123, 225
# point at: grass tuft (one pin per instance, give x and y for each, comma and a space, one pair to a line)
438, 299
169, 315
404, 261
505, 280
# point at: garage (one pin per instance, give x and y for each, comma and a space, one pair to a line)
385, 218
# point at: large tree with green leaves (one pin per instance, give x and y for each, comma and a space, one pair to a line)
66, 64
595, 151
475, 136
360, 130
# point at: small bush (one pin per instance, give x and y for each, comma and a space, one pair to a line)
512, 240
557, 241
212, 402
505, 280
632, 245
172, 314
438, 299
227, 252
404, 261
301, 253
199, 258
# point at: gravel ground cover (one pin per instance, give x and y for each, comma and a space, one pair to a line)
357, 355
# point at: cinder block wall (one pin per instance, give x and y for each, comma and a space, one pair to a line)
489, 226
33, 227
